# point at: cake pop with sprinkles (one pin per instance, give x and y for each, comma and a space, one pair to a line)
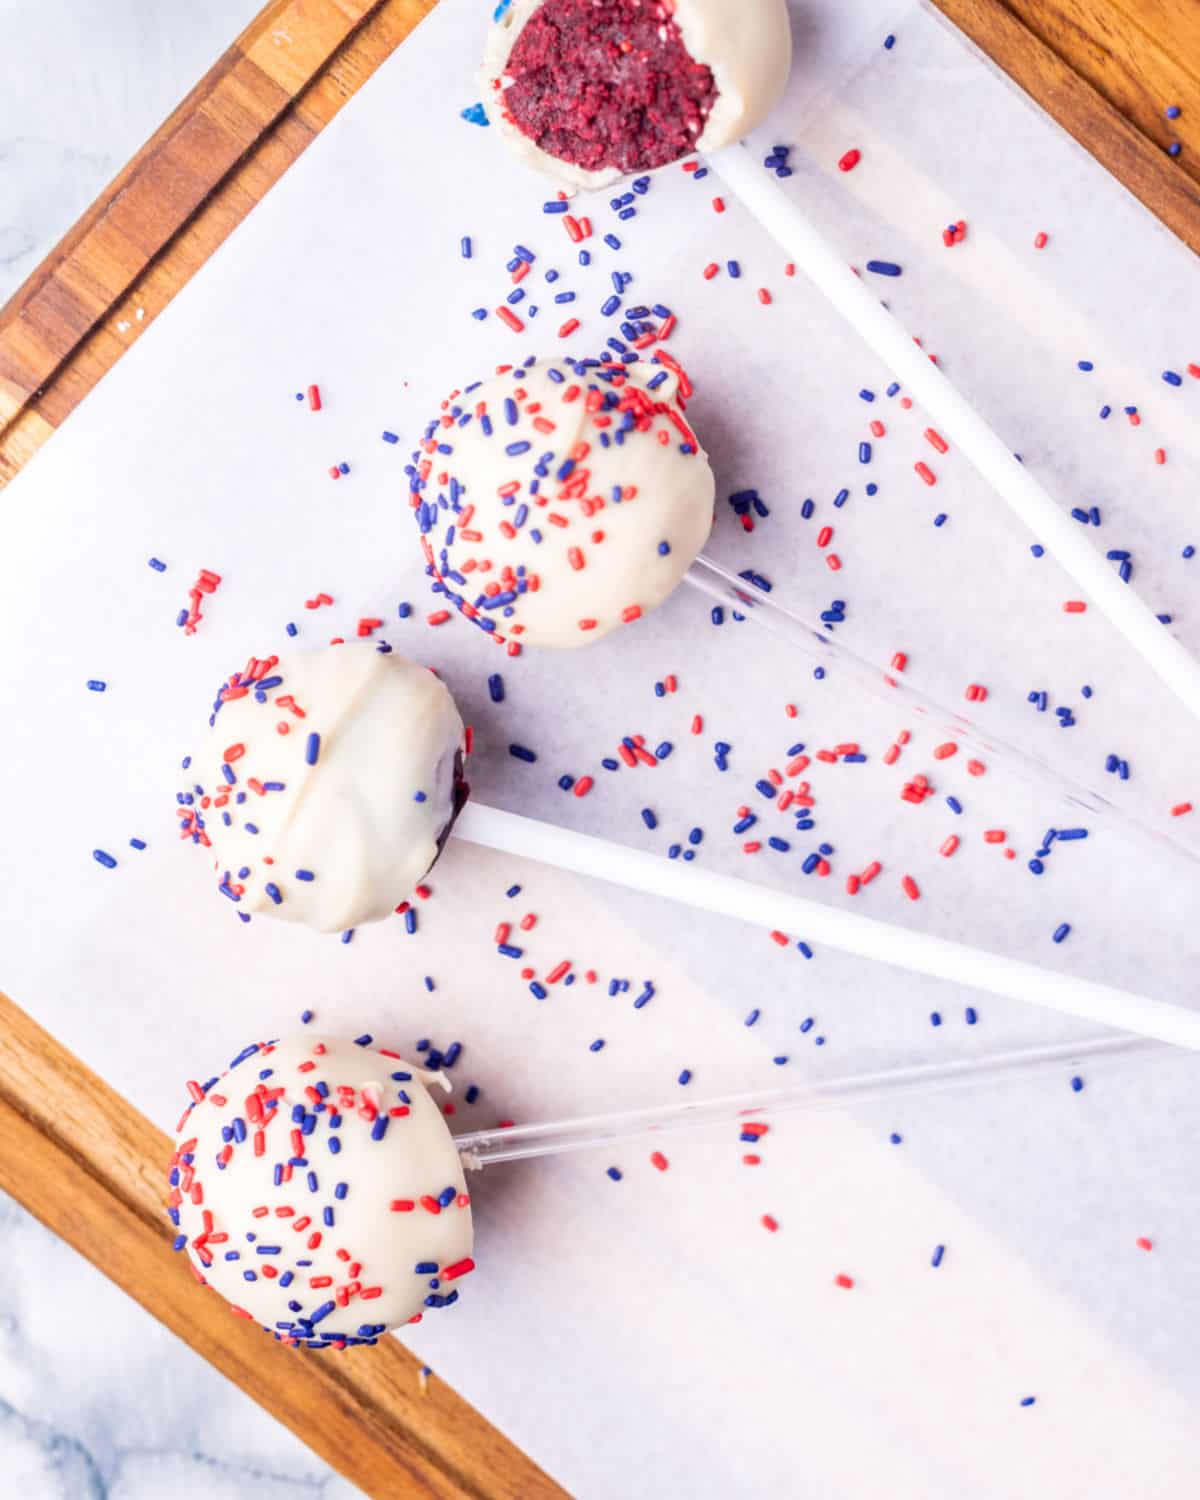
327, 784
592, 90
316, 1186
562, 499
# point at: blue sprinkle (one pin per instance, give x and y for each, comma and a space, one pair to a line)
970, 1015
954, 805
752, 1017
1028, 1400
614, 1173
883, 267
935, 1018
648, 818
1077, 1084
888, 43
522, 752
1038, 550
312, 749
104, 859
1085, 365
1061, 931
935, 1259
1172, 378
157, 564
1174, 149
597, 1045
509, 951
685, 1077
864, 453
96, 684
474, 114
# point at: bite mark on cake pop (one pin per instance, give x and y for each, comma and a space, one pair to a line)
611, 87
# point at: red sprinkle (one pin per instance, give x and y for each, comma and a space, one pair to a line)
769, 1223
1074, 607
910, 888
949, 847
1040, 240
314, 398
764, 296
658, 1160
1143, 1243
937, 440
509, 318
925, 472
841, 1279
1180, 808
851, 160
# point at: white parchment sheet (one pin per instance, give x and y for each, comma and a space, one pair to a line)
648, 1335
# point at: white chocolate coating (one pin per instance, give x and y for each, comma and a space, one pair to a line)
746, 43
364, 823
553, 560
346, 1228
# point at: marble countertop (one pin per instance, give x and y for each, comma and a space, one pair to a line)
97, 1400
79, 99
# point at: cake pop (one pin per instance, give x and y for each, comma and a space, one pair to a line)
561, 500
327, 785
590, 92
316, 1186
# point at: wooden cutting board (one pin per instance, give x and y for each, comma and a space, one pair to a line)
72, 1150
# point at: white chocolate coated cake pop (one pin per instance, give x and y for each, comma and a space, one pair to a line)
561, 500
327, 784
590, 91
315, 1186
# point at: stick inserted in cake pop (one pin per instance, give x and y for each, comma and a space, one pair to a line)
783, 217
485, 1148
710, 578
767, 909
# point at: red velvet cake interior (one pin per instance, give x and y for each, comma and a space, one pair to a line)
608, 84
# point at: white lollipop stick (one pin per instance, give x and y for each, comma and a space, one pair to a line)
782, 217
766, 909
481, 1148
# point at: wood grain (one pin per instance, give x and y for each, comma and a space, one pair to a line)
82, 1159
1106, 76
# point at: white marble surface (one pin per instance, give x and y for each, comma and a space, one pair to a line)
137, 1417
99, 1402
84, 85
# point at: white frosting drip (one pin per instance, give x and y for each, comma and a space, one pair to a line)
578, 578
365, 819
416, 1158
746, 43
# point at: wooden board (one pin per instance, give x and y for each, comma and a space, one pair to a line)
71, 1150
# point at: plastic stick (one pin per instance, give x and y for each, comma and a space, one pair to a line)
482, 1148
767, 909
781, 215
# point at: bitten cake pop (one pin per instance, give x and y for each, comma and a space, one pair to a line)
561, 500
316, 1186
327, 785
592, 90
